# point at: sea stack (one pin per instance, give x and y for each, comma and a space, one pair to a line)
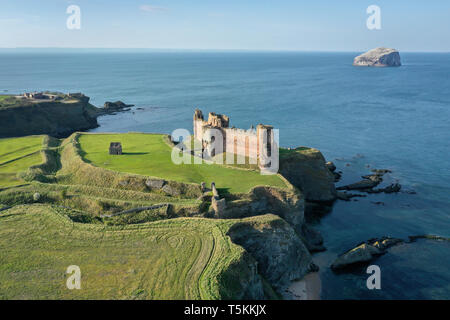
379, 57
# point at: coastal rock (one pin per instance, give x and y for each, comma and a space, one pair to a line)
385, 243
381, 171
116, 106
428, 237
369, 250
362, 253
347, 196
361, 185
337, 176
379, 57
245, 275
288, 204
331, 166
155, 183
306, 169
365, 252
281, 255
315, 211
170, 190
312, 239
392, 188
369, 182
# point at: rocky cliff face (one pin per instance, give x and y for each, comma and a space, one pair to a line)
281, 255
245, 276
305, 168
55, 118
379, 57
288, 204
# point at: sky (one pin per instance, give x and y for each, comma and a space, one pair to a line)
319, 25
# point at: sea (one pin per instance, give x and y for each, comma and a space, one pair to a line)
360, 118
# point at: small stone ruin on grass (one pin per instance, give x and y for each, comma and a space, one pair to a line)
115, 148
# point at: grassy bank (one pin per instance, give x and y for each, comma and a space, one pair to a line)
171, 259
17, 155
81, 206
148, 154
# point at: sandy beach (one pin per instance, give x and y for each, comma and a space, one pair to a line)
308, 288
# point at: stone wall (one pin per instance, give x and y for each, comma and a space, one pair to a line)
245, 143
242, 142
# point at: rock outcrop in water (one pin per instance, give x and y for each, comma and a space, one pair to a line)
379, 57
116, 106
369, 183
365, 252
371, 249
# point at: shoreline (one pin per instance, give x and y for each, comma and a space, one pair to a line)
309, 288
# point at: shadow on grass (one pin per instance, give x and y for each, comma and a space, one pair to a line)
223, 191
83, 154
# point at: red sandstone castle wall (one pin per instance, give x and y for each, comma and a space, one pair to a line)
241, 142
238, 141
198, 129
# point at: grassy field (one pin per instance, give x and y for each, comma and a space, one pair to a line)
148, 154
152, 254
11, 101
185, 258
16, 155
77, 205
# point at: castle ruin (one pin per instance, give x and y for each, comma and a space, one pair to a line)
257, 146
115, 148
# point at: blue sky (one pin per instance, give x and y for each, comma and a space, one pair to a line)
320, 25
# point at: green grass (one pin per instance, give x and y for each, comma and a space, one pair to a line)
11, 101
171, 259
284, 153
148, 154
16, 155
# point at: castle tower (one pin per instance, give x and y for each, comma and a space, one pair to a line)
218, 120
198, 124
266, 144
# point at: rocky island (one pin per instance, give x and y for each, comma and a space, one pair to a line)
378, 57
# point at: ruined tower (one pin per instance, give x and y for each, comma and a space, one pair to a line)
255, 146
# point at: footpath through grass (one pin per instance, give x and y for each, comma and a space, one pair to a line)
148, 154
16, 155
172, 259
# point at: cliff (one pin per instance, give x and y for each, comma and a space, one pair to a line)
281, 255
378, 57
306, 169
56, 118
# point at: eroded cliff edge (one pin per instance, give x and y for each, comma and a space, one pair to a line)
281, 255
306, 169
56, 117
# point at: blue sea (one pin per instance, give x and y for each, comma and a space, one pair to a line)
360, 118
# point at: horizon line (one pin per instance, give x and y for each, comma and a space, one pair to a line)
205, 49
